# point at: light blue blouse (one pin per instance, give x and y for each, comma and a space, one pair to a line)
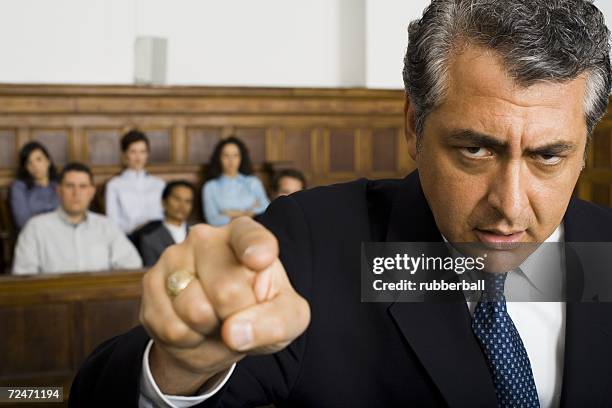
240, 193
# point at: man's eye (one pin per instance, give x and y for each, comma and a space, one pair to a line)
474, 152
549, 159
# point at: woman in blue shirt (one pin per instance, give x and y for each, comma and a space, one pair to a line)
33, 192
231, 190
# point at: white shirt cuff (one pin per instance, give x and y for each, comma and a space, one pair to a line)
151, 396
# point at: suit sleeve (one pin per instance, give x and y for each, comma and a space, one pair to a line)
148, 252
112, 373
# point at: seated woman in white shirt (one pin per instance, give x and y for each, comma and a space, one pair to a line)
231, 190
134, 197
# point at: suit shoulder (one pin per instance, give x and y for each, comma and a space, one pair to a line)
343, 194
587, 221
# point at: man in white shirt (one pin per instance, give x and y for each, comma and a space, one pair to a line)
501, 97
71, 238
155, 237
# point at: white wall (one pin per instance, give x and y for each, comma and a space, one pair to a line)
386, 39
66, 41
210, 42
296, 43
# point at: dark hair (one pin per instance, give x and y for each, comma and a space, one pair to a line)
23, 174
293, 173
133, 136
174, 184
215, 169
75, 166
538, 41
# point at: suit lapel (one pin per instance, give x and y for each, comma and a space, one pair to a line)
588, 333
439, 333
165, 238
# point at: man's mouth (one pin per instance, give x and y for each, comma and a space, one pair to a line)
496, 239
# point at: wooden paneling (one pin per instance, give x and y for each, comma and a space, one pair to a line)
342, 148
161, 145
595, 183
297, 143
384, 150
56, 141
255, 141
51, 323
8, 148
201, 143
102, 147
96, 313
39, 332
85, 123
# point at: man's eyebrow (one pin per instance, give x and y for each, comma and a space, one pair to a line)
475, 138
484, 140
553, 148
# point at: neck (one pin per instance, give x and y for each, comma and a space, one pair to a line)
43, 182
174, 221
75, 218
231, 175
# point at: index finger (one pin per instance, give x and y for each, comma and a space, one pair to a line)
252, 243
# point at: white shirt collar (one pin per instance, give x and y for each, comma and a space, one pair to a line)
178, 232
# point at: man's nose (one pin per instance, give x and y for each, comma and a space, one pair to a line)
508, 191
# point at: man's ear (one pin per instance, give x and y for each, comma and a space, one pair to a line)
410, 128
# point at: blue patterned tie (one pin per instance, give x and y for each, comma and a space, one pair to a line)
503, 347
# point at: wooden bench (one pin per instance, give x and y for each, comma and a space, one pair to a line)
49, 324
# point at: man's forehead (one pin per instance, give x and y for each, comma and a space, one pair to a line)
483, 97
76, 177
479, 72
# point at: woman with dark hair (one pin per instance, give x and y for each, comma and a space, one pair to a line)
133, 198
34, 190
231, 190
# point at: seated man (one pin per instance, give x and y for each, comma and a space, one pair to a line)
72, 239
287, 181
153, 238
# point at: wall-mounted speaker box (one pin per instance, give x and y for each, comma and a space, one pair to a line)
150, 55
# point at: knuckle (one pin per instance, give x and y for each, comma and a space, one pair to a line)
201, 313
145, 317
171, 254
199, 232
174, 333
226, 291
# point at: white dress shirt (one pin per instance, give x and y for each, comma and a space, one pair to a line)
50, 243
133, 199
541, 326
177, 232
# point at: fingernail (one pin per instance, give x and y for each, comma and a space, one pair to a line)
254, 250
241, 334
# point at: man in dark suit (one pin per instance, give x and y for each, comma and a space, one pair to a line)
501, 98
156, 236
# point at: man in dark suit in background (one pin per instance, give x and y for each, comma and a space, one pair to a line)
501, 99
156, 236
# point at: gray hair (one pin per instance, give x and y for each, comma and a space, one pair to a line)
538, 40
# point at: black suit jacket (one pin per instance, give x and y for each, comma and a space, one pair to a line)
153, 239
357, 354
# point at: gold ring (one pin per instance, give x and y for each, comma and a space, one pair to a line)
177, 281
